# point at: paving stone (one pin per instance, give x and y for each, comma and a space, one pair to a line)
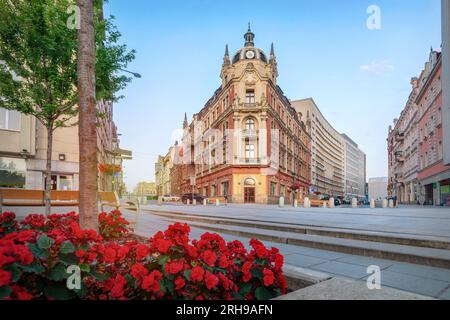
324, 254
345, 289
427, 287
445, 295
421, 271
343, 269
366, 261
302, 260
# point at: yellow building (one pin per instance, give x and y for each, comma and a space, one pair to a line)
145, 189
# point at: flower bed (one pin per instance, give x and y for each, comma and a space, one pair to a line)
35, 254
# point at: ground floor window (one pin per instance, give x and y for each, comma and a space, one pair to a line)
225, 188
445, 192
61, 182
273, 188
282, 191
12, 173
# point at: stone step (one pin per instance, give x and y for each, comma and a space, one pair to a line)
418, 255
415, 240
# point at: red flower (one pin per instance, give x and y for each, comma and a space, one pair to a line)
122, 252
5, 278
246, 275
162, 245
118, 289
179, 283
211, 280
141, 252
174, 267
197, 274
110, 255
268, 277
223, 261
24, 236
151, 282
209, 257
138, 271
279, 260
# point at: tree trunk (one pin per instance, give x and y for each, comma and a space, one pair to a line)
48, 170
88, 209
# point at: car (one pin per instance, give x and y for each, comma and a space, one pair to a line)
170, 198
198, 197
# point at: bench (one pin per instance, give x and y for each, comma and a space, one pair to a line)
36, 198
111, 199
315, 202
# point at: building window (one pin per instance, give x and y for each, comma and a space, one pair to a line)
273, 189
250, 124
250, 96
249, 150
12, 173
282, 190
9, 120
225, 188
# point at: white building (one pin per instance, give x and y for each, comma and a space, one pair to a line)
378, 188
354, 169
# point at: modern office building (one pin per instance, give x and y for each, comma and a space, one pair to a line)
327, 150
354, 170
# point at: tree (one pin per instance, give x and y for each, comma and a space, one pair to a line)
38, 69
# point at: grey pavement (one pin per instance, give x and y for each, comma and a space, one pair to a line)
419, 279
424, 280
409, 220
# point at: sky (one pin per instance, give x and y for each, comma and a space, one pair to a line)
358, 77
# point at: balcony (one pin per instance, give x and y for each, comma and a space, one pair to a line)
400, 136
249, 161
250, 133
250, 105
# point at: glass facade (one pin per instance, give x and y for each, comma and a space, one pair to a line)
12, 173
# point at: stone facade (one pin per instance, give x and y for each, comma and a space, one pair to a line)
403, 152
163, 168
248, 143
434, 175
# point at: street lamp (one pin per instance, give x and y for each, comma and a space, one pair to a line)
135, 74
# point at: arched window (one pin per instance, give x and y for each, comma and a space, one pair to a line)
250, 124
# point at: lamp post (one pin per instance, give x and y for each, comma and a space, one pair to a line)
135, 74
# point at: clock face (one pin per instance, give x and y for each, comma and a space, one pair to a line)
250, 54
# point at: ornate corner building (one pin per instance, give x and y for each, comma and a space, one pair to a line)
247, 143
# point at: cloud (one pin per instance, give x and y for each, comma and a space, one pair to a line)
377, 67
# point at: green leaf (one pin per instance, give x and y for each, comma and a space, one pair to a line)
67, 247
187, 274
38, 252
256, 273
162, 260
68, 259
263, 294
82, 291
34, 267
15, 271
58, 273
245, 289
58, 291
85, 267
5, 291
169, 285
45, 242
98, 275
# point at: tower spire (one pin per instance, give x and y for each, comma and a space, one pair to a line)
272, 51
249, 37
226, 57
185, 123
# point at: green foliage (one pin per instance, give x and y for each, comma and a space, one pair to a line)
38, 60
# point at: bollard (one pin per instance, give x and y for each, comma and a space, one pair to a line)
188, 202
372, 203
325, 204
354, 203
194, 202
295, 203
281, 202
205, 202
384, 204
217, 202
159, 201
306, 203
391, 203
331, 203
